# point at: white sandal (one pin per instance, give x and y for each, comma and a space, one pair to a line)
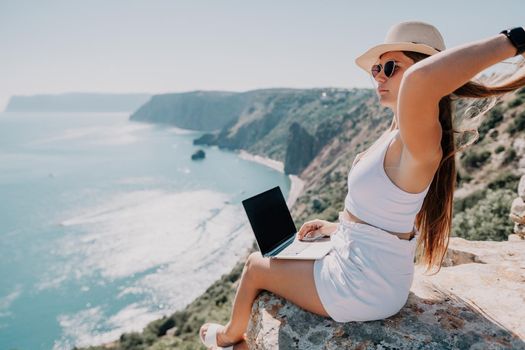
211, 337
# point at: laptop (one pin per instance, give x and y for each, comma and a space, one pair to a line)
275, 230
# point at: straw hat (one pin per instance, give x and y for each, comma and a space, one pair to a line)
408, 36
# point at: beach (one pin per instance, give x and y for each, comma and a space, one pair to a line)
297, 184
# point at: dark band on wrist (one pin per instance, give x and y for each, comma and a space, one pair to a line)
516, 36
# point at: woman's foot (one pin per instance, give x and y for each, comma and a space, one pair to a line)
222, 338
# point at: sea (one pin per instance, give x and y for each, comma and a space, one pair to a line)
107, 224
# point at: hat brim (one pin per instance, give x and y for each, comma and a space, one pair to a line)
366, 60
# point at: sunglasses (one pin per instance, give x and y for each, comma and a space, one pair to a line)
389, 68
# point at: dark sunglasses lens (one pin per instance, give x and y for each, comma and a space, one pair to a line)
389, 68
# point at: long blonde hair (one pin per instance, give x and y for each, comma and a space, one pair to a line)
434, 220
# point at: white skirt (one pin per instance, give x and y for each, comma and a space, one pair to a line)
367, 275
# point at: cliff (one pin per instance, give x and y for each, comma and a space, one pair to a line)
210, 110
293, 125
197, 110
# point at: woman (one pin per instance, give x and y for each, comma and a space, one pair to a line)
399, 193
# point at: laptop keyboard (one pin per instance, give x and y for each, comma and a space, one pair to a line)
294, 249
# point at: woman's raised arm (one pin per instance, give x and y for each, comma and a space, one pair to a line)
427, 81
446, 71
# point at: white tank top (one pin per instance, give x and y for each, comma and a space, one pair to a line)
374, 198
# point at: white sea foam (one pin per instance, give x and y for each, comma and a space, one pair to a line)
50, 282
144, 180
133, 232
179, 131
180, 239
90, 326
116, 134
6, 301
184, 170
198, 268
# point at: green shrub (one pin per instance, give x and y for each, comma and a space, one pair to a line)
318, 205
132, 341
149, 338
474, 160
336, 176
488, 219
516, 102
331, 214
517, 124
462, 178
160, 326
509, 181
499, 149
494, 134
493, 119
461, 204
510, 156
521, 91
221, 300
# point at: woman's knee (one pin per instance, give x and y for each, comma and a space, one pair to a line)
252, 259
252, 264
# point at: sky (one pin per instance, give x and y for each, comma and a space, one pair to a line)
154, 46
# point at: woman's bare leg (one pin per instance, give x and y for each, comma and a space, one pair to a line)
279, 276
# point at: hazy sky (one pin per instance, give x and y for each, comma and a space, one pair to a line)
237, 45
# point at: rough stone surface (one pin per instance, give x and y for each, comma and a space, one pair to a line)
521, 164
300, 149
521, 187
519, 146
516, 237
476, 301
519, 229
517, 211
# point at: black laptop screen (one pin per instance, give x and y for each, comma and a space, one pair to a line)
270, 218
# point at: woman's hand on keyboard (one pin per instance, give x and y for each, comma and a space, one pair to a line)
316, 228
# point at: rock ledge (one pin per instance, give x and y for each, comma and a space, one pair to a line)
474, 302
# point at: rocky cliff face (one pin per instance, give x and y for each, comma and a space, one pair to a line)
474, 302
301, 148
289, 125
197, 110
292, 125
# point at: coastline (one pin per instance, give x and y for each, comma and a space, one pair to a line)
297, 184
275, 164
